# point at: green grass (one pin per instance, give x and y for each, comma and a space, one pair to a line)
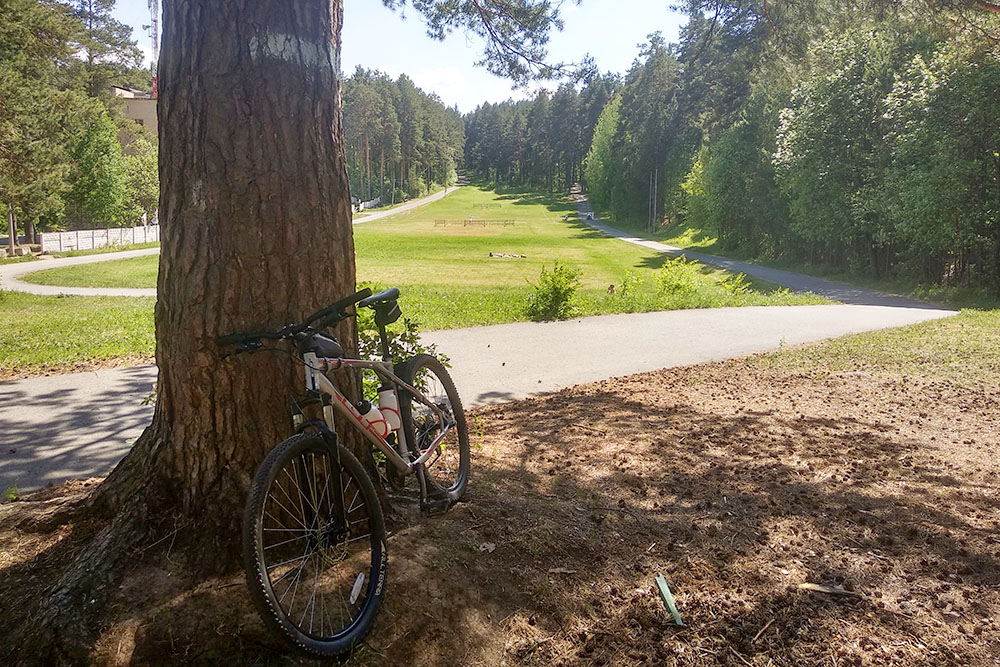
17, 260
448, 278
57, 332
131, 272
445, 273
106, 249
964, 349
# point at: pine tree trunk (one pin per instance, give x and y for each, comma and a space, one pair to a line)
256, 232
11, 231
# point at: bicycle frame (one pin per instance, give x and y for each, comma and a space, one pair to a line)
316, 380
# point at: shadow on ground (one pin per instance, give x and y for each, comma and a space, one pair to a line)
735, 483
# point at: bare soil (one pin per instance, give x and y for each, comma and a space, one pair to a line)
736, 481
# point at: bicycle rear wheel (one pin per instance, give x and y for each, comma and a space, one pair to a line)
447, 470
314, 546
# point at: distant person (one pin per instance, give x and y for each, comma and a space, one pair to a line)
145, 220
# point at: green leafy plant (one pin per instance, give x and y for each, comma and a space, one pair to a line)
676, 276
629, 283
403, 344
12, 492
736, 284
553, 295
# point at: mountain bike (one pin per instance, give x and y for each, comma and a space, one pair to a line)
314, 541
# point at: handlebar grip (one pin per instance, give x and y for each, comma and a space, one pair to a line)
339, 306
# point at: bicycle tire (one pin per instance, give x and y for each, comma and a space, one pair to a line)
449, 469
273, 531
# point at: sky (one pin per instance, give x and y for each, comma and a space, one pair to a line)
377, 38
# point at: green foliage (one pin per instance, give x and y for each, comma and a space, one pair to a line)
12, 493
943, 192
143, 180
108, 53
542, 142
553, 295
737, 194
598, 170
676, 276
399, 139
34, 112
403, 342
514, 32
99, 192
628, 286
737, 284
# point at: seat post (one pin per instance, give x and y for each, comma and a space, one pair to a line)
384, 341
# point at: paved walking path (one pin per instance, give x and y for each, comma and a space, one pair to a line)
65, 426
10, 273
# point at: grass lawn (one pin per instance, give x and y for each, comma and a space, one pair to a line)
63, 333
448, 278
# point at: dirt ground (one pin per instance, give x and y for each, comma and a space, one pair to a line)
736, 481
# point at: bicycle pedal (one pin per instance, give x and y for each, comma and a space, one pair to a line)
435, 507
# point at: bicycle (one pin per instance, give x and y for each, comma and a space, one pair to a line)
313, 518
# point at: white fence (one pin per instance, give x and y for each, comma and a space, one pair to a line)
85, 239
371, 203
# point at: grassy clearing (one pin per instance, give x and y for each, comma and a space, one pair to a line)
56, 333
445, 272
440, 255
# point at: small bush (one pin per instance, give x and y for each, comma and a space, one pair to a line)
554, 293
736, 284
677, 276
629, 284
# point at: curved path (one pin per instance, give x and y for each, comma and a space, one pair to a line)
10, 273
842, 292
78, 425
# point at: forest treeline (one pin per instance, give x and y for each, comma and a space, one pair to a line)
61, 130
863, 138
400, 140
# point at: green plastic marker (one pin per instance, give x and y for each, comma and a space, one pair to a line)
668, 599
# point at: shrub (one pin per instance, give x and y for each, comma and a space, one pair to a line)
677, 276
736, 284
554, 293
629, 283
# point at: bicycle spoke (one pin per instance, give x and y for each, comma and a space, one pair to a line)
294, 539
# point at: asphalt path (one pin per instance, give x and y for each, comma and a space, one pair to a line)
79, 425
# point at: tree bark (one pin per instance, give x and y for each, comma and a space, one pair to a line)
256, 225
256, 233
11, 231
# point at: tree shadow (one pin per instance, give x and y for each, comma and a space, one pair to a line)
578, 498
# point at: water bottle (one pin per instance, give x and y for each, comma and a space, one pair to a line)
371, 418
389, 405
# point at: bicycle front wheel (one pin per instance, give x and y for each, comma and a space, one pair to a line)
447, 469
314, 546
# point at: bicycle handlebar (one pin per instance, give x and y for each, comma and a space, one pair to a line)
331, 314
